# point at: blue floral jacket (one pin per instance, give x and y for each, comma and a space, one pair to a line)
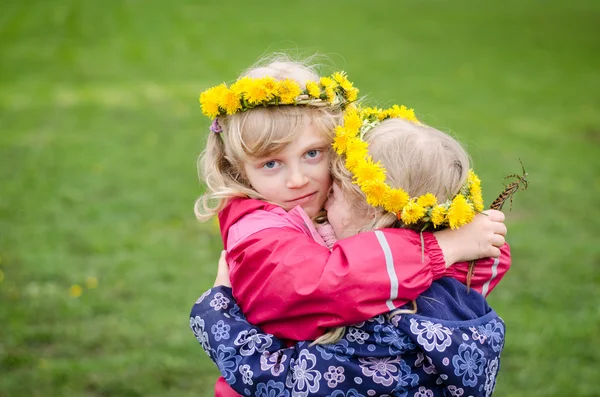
451, 347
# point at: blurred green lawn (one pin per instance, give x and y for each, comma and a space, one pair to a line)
100, 129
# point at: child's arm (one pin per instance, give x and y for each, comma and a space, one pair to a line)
488, 271
296, 289
236, 346
253, 362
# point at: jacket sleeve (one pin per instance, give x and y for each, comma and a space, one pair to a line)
487, 273
245, 355
256, 363
296, 289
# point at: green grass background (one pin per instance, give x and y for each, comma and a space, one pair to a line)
100, 130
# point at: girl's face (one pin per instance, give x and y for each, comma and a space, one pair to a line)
341, 215
297, 175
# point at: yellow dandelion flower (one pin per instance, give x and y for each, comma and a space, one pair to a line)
358, 147
427, 200
209, 101
408, 114
352, 160
330, 93
369, 113
460, 212
328, 82
288, 91
476, 197
241, 86
412, 212
375, 192
356, 151
368, 171
473, 179
339, 77
341, 139
230, 101
261, 90
393, 112
352, 121
438, 215
352, 94
91, 282
395, 200
313, 89
75, 291
383, 114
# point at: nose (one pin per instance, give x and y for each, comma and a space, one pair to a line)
296, 178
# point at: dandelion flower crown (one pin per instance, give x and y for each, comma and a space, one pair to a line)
248, 93
370, 175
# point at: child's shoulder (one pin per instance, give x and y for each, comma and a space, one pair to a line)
242, 218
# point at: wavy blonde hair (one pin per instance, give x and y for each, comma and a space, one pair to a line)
419, 159
258, 132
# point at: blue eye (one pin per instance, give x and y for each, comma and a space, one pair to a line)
313, 153
270, 164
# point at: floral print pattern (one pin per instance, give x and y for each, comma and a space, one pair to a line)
410, 356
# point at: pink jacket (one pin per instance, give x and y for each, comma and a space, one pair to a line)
295, 288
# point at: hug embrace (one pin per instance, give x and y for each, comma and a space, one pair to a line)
348, 233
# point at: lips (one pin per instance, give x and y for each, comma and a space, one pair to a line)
302, 199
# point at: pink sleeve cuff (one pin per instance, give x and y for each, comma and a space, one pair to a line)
436, 255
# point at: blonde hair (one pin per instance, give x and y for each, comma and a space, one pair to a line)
417, 158
255, 133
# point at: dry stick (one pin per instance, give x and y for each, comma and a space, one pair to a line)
508, 192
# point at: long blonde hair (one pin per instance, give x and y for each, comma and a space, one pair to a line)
258, 132
417, 158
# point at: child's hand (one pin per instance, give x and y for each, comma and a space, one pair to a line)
480, 238
223, 272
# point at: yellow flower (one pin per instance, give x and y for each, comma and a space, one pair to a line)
395, 200
352, 121
370, 113
474, 186
330, 93
375, 192
230, 101
408, 114
357, 146
412, 212
288, 91
438, 215
352, 94
473, 178
313, 89
460, 212
356, 151
340, 77
91, 282
241, 86
209, 100
328, 82
341, 139
427, 200
368, 171
261, 90
476, 198
75, 291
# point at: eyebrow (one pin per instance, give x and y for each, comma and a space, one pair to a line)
321, 144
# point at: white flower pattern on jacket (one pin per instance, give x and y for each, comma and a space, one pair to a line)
443, 356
